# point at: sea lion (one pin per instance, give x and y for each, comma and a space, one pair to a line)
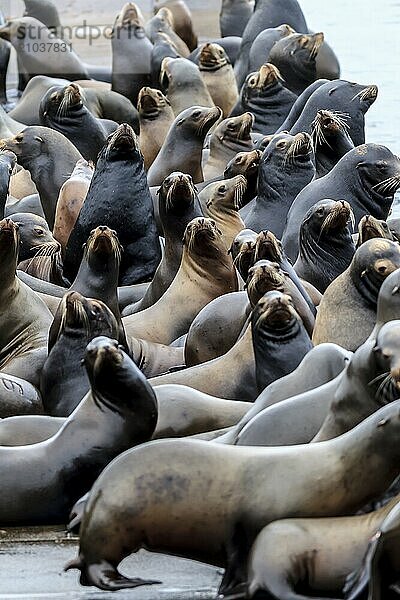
162, 48
64, 111
282, 340
295, 57
163, 21
155, 118
263, 43
318, 554
267, 14
7, 164
229, 137
242, 251
33, 232
49, 157
131, 53
70, 199
24, 318
224, 198
182, 20
206, 271
64, 381
230, 44
123, 408
356, 293
219, 77
367, 177
265, 96
330, 139
234, 16
119, 188
326, 247
370, 228
103, 104
40, 52
44, 11
181, 79
379, 574
310, 473
246, 164
341, 96
286, 167
183, 146
382, 368
178, 205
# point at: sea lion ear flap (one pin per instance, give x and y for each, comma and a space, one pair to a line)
395, 290
39, 139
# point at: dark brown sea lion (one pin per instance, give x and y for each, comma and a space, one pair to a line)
49, 157
222, 533
326, 247
183, 146
246, 164
178, 205
262, 45
64, 381
131, 53
118, 412
181, 79
155, 118
24, 318
367, 177
353, 296
242, 251
369, 228
231, 136
119, 188
293, 558
219, 77
206, 271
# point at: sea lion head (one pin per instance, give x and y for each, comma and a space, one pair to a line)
244, 163
242, 251
372, 263
387, 356
378, 170
177, 193
119, 384
163, 19
91, 316
16, 30
203, 238
296, 54
212, 57
268, 247
260, 82
129, 17
198, 119
102, 247
227, 194
237, 129
264, 276
34, 233
365, 95
327, 125
9, 245
59, 102
388, 307
328, 219
275, 315
288, 150
177, 71
8, 161
151, 103
121, 144
29, 144
369, 227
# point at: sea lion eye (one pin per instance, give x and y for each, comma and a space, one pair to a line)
39, 231
282, 144
221, 189
19, 138
197, 114
253, 81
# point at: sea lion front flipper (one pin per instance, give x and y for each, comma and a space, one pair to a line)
104, 576
235, 576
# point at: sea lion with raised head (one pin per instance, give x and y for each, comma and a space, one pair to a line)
163, 21
242, 251
155, 118
222, 534
370, 228
246, 164
330, 139
219, 77
286, 168
367, 177
181, 79
231, 136
182, 20
326, 247
119, 189
206, 271
183, 146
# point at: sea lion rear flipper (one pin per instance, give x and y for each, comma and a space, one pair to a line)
104, 576
235, 577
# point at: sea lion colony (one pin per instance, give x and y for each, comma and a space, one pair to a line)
199, 243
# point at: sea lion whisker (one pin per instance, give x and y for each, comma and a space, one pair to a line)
378, 378
382, 386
